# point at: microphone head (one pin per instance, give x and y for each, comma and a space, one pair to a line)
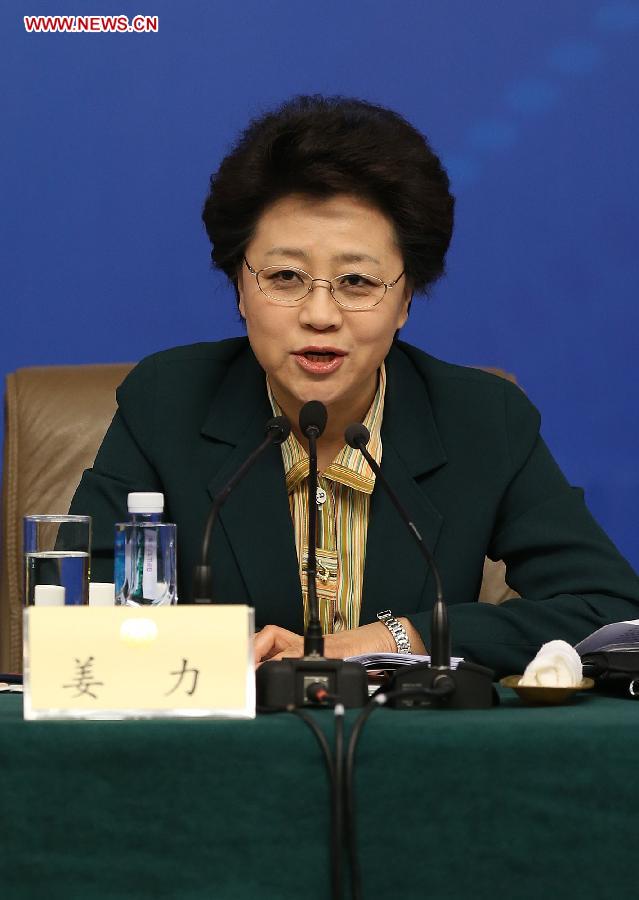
356, 435
278, 428
313, 415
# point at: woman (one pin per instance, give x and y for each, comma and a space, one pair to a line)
328, 216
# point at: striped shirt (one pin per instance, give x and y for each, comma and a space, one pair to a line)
343, 499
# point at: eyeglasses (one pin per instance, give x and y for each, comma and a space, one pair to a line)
287, 286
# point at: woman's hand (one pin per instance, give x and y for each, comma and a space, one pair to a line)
273, 642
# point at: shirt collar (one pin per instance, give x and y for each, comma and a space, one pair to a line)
349, 466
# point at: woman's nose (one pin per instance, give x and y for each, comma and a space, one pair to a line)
319, 310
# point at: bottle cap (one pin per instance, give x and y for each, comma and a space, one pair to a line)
140, 502
48, 595
101, 593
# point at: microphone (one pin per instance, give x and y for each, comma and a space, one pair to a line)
277, 430
313, 679
312, 423
469, 686
358, 436
313, 418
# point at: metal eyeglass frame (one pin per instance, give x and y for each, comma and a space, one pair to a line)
256, 273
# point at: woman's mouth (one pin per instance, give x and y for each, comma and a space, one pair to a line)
319, 362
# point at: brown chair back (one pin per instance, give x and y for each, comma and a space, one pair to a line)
55, 419
494, 587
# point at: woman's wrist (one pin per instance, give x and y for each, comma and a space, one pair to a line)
385, 638
395, 638
416, 642
372, 638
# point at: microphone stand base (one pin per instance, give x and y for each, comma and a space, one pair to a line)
285, 682
472, 687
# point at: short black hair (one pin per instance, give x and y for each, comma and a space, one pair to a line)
321, 146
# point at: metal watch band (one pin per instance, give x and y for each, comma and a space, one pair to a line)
400, 635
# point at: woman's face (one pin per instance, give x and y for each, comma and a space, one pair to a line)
324, 237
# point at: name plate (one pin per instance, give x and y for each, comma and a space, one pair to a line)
83, 662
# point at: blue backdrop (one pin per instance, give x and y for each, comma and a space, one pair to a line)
109, 140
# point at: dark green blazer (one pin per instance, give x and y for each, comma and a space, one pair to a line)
461, 448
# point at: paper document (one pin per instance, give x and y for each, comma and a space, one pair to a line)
618, 636
395, 660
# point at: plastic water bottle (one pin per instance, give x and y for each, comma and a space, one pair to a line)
145, 554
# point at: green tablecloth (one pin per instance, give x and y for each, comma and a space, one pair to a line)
504, 804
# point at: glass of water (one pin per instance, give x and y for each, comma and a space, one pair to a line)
57, 553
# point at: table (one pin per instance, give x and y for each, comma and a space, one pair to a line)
506, 804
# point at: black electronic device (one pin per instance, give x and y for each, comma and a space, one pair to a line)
469, 686
615, 670
288, 682
277, 430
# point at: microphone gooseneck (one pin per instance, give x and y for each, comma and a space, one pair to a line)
357, 436
312, 680
312, 422
277, 430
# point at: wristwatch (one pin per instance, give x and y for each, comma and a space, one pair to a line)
400, 635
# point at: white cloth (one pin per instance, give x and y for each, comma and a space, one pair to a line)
557, 664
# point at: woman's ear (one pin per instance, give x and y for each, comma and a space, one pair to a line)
239, 290
238, 301
404, 309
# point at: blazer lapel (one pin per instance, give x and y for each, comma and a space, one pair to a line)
256, 517
395, 572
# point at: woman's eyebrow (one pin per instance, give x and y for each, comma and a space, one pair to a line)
287, 251
352, 257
